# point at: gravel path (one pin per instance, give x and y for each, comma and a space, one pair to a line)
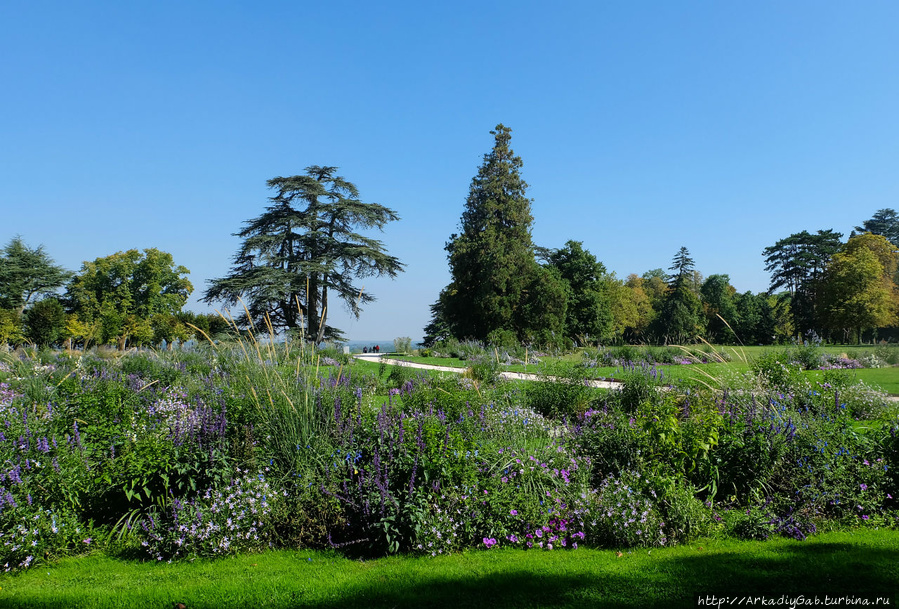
517, 376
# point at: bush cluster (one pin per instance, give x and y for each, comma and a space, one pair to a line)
234, 449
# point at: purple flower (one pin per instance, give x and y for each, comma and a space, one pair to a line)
864, 487
514, 512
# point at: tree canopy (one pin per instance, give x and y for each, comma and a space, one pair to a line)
116, 297
798, 263
856, 295
26, 274
491, 259
680, 318
885, 222
301, 250
589, 310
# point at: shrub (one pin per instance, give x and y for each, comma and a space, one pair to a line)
483, 369
622, 515
776, 370
216, 522
562, 391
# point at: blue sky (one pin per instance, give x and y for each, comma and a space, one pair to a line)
643, 126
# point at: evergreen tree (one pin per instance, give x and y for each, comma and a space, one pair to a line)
885, 222
45, 322
437, 329
798, 263
680, 319
303, 248
491, 260
27, 274
682, 264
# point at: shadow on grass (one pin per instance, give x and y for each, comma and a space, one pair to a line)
831, 569
566, 579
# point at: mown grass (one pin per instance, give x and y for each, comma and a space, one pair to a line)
886, 379
863, 564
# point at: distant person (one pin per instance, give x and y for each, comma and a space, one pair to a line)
377, 348
364, 349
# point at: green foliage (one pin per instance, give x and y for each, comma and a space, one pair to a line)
753, 523
798, 263
402, 344
221, 521
303, 249
777, 370
491, 260
438, 329
680, 317
171, 445
503, 339
807, 353
884, 222
484, 369
561, 392
755, 318
11, 327
120, 294
856, 294
720, 309
543, 311
27, 274
45, 322
589, 311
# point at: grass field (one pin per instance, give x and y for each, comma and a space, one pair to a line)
886, 379
863, 564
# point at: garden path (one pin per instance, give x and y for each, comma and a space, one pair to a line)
517, 376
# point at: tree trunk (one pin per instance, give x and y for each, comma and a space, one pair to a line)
324, 317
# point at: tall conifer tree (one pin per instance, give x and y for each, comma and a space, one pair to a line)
492, 259
304, 248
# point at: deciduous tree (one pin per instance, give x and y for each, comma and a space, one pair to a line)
121, 293
855, 295
586, 285
720, 310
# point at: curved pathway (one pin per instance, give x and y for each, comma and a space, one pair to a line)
516, 376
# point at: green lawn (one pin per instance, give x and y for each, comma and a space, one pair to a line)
863, 564
886, 379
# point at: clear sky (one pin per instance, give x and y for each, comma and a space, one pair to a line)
643, 126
